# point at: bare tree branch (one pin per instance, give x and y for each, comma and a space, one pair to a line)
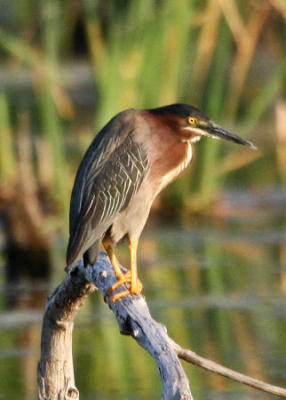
212, 366
55, 369
134, 319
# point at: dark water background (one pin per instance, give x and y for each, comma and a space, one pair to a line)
218, 284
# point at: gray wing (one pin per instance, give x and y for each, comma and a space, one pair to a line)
110, 174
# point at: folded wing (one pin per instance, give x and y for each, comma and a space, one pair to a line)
110, 174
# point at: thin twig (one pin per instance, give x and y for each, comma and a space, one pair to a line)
205, 363
55, 372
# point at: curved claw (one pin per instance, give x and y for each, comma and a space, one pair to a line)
126, 279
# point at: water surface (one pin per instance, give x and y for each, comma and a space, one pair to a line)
218, 284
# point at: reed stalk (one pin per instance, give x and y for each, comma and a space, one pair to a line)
147, 54
7, 151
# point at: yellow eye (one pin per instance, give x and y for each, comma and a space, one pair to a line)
192, 120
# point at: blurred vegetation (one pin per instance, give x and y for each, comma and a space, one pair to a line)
69, 66
220, 290
66, 68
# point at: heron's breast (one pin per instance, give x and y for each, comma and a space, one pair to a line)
131, 221
162, 171
169, 165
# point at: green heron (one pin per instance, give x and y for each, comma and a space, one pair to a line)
130, 161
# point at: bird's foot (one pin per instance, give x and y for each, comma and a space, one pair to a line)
135, 288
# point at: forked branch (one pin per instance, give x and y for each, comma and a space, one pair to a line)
55, 369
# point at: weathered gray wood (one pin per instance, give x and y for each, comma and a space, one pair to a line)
209, 365
134, 319
55, 369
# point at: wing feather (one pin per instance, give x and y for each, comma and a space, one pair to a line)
110, 174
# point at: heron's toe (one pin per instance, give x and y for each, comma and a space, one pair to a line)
126, 279
133, 289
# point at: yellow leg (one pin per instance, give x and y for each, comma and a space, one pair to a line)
122, 278
136, 285
113, 259
131, 276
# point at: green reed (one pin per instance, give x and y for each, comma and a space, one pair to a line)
7, 152
146, 54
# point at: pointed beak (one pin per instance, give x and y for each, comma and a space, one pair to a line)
217, 132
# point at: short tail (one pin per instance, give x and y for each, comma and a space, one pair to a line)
73, 253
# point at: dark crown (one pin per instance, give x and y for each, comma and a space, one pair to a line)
182, 110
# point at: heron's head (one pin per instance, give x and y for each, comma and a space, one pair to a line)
190, 124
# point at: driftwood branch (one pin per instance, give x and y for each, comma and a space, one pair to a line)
205, 363
55, 369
